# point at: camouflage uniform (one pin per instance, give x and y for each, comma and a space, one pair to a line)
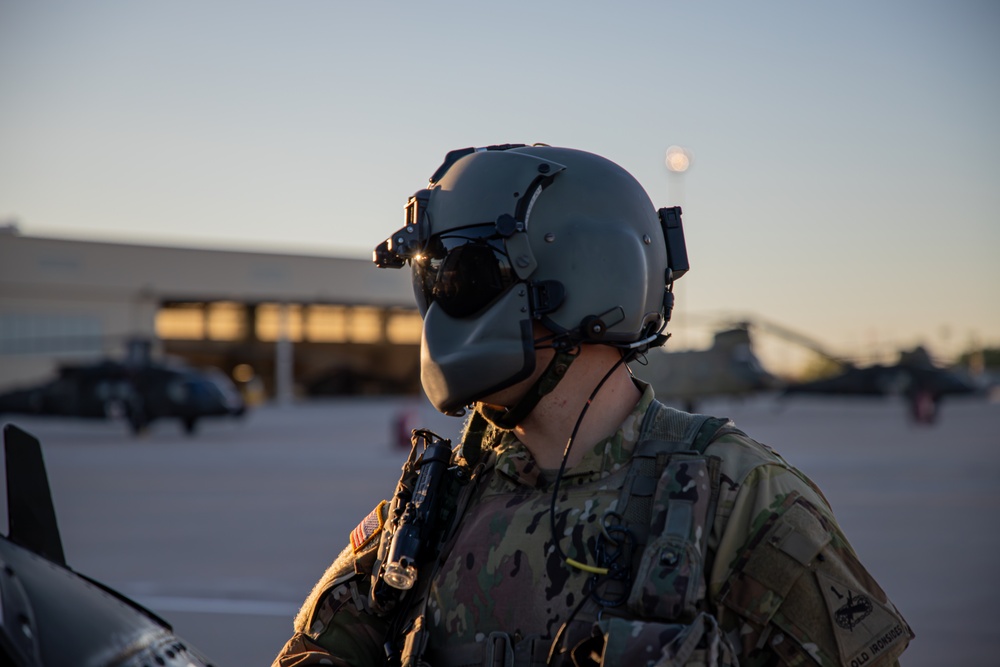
778, 577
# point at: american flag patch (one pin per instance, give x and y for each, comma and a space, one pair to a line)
369, 527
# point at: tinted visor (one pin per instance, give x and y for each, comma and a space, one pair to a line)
463, 270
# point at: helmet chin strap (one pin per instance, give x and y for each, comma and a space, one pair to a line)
508, 418
566, 351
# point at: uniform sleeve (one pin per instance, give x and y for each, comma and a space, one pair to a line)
786, 586
336, 625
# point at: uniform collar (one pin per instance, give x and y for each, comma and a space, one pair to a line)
516, 464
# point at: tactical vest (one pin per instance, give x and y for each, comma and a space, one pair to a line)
668, 502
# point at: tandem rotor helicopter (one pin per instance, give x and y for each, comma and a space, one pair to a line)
730, 367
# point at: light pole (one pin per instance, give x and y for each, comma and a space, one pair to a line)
678, 161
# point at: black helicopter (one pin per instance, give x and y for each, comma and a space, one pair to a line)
52, 616
915, 377
139, 392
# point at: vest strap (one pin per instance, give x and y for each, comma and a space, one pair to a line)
414, 633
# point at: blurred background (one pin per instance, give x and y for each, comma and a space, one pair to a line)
190, 193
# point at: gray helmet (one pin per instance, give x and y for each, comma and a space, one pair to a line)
512, 234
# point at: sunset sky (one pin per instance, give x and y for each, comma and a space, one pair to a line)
846, 156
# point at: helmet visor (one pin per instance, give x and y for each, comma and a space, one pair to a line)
463, 270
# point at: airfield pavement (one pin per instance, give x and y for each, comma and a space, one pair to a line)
224, 533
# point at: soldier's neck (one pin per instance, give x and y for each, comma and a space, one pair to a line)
547, 429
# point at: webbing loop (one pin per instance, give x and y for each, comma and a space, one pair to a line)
499, 652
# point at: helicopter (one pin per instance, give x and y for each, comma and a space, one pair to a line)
138, 393
52, 616
914, 376
729, 367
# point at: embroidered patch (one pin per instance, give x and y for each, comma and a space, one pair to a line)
855, 610
369, 527
864, 628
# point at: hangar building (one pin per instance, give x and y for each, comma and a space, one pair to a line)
294, 324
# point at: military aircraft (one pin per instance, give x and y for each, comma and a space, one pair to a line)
728, 368
915, 377
139, 393
51, 616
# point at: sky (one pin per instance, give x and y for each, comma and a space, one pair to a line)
845, 156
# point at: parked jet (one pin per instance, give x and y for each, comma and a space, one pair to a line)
140, 394
51, 615
915, 377
728, 368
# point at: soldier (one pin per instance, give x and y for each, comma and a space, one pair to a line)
579, 521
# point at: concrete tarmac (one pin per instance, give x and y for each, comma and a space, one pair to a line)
224, 533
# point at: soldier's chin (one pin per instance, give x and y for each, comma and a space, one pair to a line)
508, 397
501, 400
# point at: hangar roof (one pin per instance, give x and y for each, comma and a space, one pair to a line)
43, 265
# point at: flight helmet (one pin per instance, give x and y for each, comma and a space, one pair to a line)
509, 235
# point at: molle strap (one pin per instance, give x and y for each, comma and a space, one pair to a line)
669, 581
663, 432
669, 501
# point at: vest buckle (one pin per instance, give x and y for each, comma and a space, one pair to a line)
499, 650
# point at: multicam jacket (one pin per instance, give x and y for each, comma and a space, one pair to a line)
734, 543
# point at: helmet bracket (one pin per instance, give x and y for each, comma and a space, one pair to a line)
545, 296
673, 234
521, 257
593, 327
507, 226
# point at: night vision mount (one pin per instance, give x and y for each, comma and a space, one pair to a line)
409, 241
406, 243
